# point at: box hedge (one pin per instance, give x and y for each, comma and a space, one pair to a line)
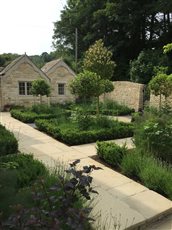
27, 168
8, 142
28, 116
111, 152
74, 136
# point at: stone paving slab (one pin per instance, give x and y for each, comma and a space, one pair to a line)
126, 119
120, 199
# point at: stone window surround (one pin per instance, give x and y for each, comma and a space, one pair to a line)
24, 88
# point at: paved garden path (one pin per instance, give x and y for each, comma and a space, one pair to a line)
120, 199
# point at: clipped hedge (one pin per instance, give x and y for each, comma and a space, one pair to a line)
76, 137
111, 152
27, 169
28, 116
111, 112
8, 142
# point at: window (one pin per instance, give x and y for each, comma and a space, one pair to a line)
25, 88
61, 89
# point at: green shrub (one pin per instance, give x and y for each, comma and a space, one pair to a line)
157, 176
132, 164
60, 204
28, 116
113, 108
111, 152
17, 173
149, 171
74, 136
83, 119
153, 133
8, 142
27, 168
109, 107
41, 108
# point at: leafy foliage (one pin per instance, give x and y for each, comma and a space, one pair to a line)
144, 67
111, 152
98, 60
167, 48
6, 58
40, 88
149, 171
74, 136
108, 107
137, 165
8, 142
58, 206
153, 134
89, 84
17, 173
28, 116
42, 111
26, 168
126, 27
161, 85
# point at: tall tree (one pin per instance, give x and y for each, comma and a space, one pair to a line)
98, 60
126, 27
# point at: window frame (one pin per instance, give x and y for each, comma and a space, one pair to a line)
61, 89
24, 90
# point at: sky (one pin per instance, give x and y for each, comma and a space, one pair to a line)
27, 25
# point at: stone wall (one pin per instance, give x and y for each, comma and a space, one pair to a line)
10, 88
63, 76
155, 100
127, 93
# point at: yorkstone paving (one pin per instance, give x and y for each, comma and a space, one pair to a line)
120, 201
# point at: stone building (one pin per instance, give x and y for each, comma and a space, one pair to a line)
60, 76
16, 79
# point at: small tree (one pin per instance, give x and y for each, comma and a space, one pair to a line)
167, 48
40, 88
98, 60
161, 85
89, 84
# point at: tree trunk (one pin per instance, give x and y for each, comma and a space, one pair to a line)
151, 27
40, 97
164, 22
160, 101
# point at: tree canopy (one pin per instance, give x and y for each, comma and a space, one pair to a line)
40, 88
161, 85
88, 84
98, 60
147, 64
126, 27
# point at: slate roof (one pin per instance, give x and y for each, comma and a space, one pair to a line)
11, 65
1, 68
50, 65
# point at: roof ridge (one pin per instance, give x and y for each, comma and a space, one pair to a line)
11, 64
49, 65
